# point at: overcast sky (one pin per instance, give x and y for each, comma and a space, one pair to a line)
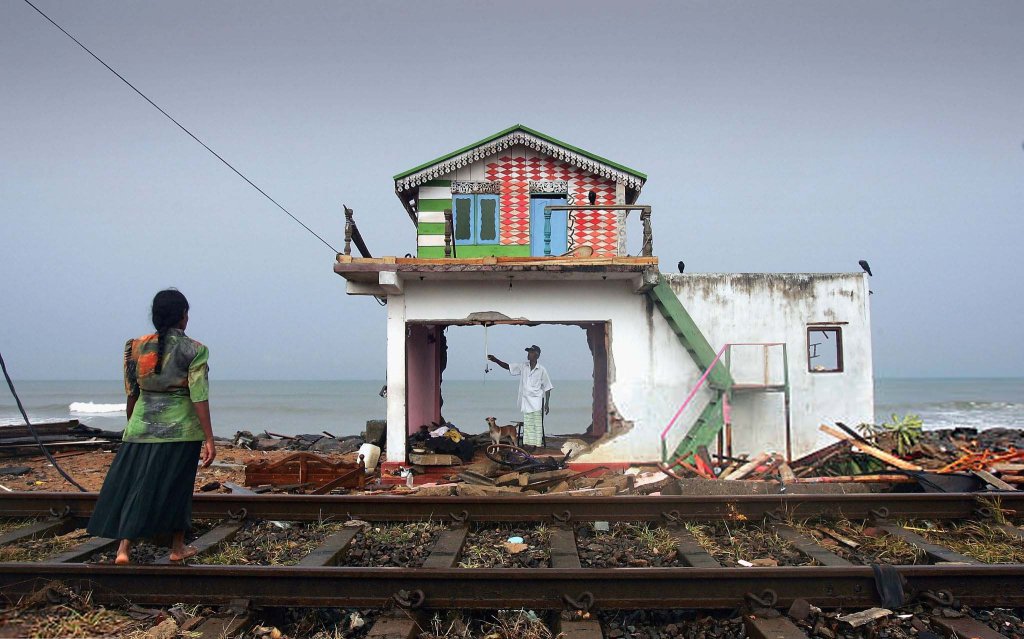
782, 136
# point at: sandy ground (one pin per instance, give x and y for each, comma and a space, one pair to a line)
90, 468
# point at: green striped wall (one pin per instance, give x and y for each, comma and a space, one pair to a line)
435, 205
472, 251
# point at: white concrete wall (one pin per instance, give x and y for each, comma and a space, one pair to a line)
767, 307
651, 373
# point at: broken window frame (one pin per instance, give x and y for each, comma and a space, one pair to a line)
837, 332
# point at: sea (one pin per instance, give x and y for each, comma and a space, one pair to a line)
343, 407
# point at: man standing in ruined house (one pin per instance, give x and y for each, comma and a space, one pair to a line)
534, 394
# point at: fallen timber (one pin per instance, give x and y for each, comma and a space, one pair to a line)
701, 582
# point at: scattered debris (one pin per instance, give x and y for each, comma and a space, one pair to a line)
302, 468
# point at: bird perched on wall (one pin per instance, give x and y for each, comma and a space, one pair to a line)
681, 265
864, 265
592, 197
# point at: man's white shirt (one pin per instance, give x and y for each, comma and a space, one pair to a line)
533, 383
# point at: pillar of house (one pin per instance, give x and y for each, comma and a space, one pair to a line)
620, 216
396, 436
597, 340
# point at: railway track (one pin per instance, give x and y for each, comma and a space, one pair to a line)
568, 577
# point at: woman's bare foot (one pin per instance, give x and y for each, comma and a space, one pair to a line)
184, 553
124, 553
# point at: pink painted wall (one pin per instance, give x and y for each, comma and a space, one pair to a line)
422, 380
598, 229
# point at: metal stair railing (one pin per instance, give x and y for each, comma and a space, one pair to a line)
686, 402
720, 404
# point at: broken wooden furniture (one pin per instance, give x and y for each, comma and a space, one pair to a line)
307, 468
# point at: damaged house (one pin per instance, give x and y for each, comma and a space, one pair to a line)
747, 362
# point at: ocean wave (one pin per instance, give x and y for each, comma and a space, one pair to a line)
90, 408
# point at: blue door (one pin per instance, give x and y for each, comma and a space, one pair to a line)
559, 226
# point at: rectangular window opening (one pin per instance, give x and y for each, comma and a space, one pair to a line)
825, 349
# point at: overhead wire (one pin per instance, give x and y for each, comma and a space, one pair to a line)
179, 125
32, 429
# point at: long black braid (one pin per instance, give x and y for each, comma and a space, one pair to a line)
169, 307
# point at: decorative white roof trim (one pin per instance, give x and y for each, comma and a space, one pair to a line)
468, 186
512, 139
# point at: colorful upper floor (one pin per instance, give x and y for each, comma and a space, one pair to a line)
497, 190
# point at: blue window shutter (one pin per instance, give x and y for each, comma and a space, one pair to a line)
487, 217
463, 214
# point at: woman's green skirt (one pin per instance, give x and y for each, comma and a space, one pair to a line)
147, 491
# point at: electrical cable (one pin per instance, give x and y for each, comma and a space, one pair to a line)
31, 429
180, 126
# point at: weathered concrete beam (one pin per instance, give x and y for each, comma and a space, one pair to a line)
363, 288
390, 282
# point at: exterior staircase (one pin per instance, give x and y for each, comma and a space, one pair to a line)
710, 422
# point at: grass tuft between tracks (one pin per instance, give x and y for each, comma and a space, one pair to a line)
57, 611
981, 541
7, 525
732, 542
505, 624
43, 548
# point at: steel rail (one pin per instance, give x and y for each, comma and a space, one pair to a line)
546, 508
489, 588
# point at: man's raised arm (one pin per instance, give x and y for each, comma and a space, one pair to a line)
498, 361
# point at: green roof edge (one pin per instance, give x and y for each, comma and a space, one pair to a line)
592, 156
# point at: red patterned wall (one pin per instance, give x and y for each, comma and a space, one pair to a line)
598, 229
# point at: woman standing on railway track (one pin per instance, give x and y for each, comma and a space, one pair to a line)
148, 489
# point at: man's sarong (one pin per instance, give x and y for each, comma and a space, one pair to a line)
533, 429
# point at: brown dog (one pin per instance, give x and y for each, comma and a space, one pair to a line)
501, 432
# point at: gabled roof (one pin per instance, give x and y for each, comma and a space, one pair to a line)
518, 134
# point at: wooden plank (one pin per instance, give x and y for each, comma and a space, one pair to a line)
692, 552
849, 543
934, 551
332, 548
864, 617
992, 480
763, 627
748, 467
397, 624
38, 530
220, 627
448, 549
562, 545
964, 628
83, 551
434, 459
565, 554
880, 455
1007, 467
809, 547
578, 629
207, 543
